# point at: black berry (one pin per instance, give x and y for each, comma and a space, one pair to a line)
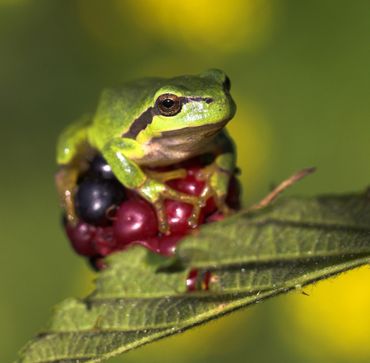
99, 168
95, 197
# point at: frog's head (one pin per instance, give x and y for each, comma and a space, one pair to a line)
198, 105
184, 112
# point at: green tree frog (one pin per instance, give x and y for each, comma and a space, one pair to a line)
149, 123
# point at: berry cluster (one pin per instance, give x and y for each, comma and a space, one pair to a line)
112, 218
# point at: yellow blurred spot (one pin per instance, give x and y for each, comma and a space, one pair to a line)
204, 24
335, 318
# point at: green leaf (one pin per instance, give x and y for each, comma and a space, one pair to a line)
251, 256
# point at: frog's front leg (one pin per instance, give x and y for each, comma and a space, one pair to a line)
119, 154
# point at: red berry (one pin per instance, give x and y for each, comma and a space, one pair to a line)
164, 245
81, 236
193, 186
197, 280
210, 207
191, 280
135, 220
189, 185
104, 241
151, 244
167, 244
178, 214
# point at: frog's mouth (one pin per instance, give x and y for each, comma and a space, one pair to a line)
193, 133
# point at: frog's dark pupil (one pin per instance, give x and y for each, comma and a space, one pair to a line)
168, 103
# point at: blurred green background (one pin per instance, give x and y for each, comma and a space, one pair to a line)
301, 79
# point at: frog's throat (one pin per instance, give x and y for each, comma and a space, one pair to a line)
178, 145
147, 116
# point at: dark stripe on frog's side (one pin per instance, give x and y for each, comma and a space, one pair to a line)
141, 123
147, 116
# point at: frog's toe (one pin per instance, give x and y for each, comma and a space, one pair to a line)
163, 226
193, 220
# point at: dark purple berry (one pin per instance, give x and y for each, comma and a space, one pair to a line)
100, 169
81, 236
167, 244
104, 241
233, 194
135, 220
95, 198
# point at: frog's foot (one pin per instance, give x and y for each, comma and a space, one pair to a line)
217, 184
156, 193
66, 181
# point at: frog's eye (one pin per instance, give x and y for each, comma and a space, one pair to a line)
168, 104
